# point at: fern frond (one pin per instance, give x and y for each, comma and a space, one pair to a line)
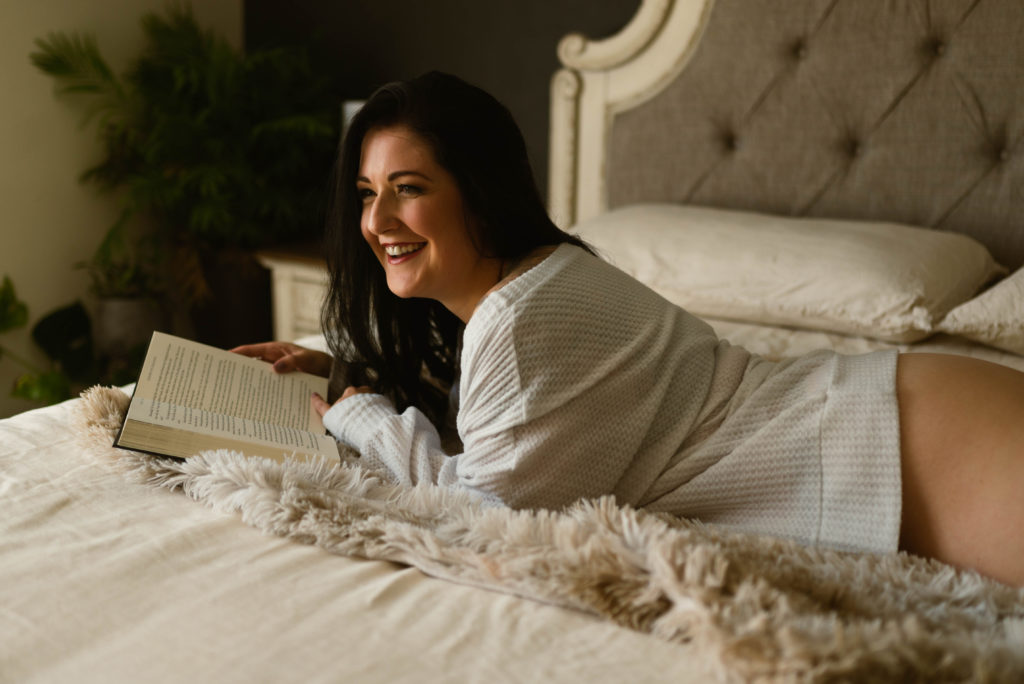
299, 125
75, 63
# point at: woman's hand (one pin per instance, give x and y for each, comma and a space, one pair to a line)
322, 407
288, 357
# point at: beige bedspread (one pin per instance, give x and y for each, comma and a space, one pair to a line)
104, 580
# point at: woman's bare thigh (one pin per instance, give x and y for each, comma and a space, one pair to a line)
962, 443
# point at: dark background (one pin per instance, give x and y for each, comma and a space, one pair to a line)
506, 47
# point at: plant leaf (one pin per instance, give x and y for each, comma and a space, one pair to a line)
66, 337
49, 387
75, 63
13, 311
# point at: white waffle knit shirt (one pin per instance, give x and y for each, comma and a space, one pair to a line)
578, 381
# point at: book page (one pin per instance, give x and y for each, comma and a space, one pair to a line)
192, 387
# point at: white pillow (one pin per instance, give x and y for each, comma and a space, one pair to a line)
882, 280
995, 317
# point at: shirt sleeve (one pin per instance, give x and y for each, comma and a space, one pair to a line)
406, 445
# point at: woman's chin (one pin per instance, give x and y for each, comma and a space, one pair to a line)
402, 290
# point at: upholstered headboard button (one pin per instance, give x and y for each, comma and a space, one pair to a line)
799, 50
937, 47
730, 141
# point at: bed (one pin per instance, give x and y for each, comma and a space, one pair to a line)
815, 173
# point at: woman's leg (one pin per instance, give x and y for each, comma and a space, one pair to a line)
962, 441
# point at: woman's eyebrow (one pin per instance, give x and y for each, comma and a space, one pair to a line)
397, 174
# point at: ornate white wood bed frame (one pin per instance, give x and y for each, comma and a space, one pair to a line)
601, 78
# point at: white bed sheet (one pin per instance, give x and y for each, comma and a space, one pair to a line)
104, 580
777, 342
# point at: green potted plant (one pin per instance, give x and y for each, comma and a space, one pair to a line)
127, 291
222, 152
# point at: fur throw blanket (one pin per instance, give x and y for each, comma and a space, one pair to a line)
759, 608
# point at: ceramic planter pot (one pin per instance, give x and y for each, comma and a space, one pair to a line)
123, 325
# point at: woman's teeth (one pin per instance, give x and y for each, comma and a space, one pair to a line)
399, 250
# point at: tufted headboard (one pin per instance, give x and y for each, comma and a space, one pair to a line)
899, 110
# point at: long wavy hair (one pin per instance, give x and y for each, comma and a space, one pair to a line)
406, 349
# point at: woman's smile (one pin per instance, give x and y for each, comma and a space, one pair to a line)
399, 252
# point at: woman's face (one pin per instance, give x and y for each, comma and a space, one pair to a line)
414, 220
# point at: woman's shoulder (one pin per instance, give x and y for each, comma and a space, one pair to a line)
538, 267
520, 277
567, 286
575, 290
572, 272
514, 269
495, 318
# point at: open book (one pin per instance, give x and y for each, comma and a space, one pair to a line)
191, 397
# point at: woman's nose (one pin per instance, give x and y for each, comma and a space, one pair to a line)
380, 215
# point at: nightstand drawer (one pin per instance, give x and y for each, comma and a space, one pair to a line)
299, 285
307, 299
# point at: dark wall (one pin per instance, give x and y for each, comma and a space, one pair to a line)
506, 47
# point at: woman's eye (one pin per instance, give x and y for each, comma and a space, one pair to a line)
364, 193
404, 189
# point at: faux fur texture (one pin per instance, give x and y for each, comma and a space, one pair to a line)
758, 608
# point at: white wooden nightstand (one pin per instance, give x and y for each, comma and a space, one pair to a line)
299, 284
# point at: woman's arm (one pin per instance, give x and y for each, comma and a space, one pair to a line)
407, 445
540, 462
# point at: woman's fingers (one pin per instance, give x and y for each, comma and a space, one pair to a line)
287, 364
305, 360
267, 351
288, 357
350, 390
319, 404
262, 350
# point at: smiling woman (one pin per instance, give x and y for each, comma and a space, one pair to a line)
435, 171
454, 297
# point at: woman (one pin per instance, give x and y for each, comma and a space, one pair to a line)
569, 379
